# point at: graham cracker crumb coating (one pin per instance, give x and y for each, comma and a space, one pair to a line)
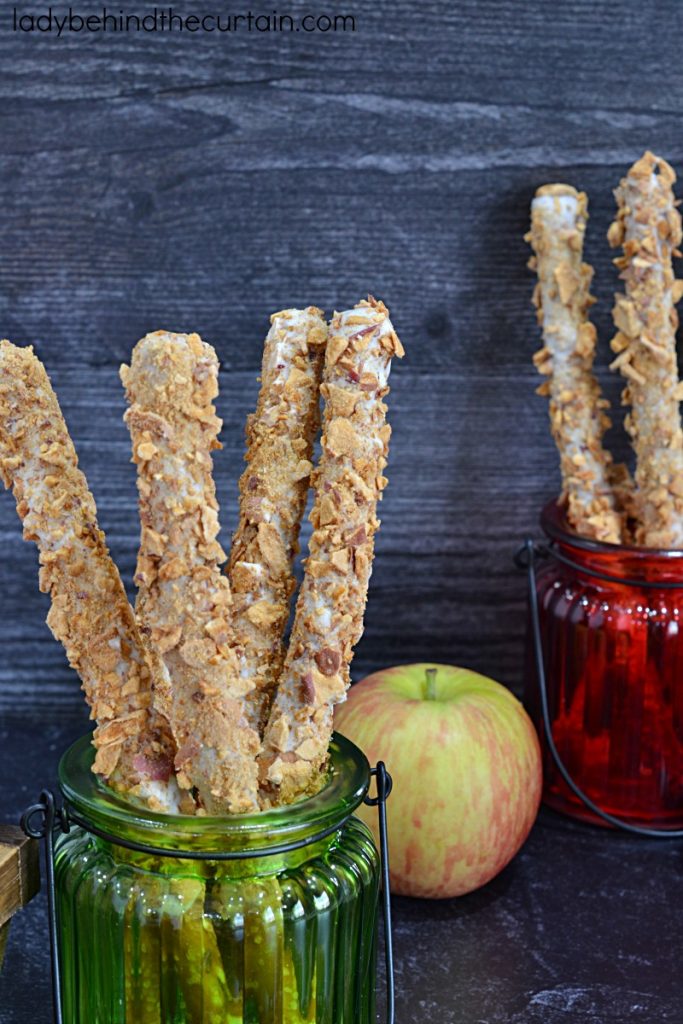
648, 227
577, 408
273, 491
90, 613
184, 599
329, 614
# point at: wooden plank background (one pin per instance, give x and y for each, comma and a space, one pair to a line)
199, 183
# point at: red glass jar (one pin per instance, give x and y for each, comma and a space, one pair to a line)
613, 657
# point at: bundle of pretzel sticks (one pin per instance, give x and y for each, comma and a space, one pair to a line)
604, 501
200, 705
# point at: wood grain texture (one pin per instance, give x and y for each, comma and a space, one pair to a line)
196, 183
19, 871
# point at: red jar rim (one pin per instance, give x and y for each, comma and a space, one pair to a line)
650, 565
554, 524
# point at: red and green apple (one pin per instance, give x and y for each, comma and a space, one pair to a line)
466, 766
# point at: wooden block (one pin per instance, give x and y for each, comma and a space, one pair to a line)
4, 932
19, 871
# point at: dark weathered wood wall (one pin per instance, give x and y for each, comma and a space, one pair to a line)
202, 182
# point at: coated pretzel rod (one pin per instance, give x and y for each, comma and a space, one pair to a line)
273, 491
577, 417
648, 226
184, 599
329, 613
90, 613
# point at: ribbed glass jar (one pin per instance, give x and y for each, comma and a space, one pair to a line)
285, 938
613, 656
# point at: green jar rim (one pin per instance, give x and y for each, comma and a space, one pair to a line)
98, 806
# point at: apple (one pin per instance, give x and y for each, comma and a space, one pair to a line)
466, 766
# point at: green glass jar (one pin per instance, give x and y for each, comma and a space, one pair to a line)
266, 937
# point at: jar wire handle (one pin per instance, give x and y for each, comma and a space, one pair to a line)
384, 786
526, 559
41, 821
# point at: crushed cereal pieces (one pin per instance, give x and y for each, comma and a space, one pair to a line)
315, 675
648, 227
183, 596
90, 613
577, 417
273, 490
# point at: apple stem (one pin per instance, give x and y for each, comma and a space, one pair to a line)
430, 684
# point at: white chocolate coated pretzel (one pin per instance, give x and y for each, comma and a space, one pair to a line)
329, 613
648, 226
90, 613
577, 408
184, 599
273, 490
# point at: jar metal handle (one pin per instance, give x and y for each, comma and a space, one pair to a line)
526, 559
44, 819
41, 821
384, 785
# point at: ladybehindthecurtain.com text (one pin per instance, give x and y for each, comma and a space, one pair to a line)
166, 19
